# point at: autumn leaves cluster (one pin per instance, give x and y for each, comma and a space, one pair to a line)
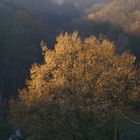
73, 94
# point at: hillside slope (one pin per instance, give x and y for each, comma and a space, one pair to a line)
123, 13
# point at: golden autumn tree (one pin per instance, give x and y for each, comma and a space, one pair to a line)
73, 94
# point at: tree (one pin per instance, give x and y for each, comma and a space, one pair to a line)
74, 93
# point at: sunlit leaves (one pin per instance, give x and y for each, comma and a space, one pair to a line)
76, 89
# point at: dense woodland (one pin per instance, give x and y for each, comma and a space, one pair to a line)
67, 85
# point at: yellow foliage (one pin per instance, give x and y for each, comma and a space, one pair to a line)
84, 76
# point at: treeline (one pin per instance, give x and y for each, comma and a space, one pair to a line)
123, 13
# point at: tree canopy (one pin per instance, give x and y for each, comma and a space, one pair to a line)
74, 93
